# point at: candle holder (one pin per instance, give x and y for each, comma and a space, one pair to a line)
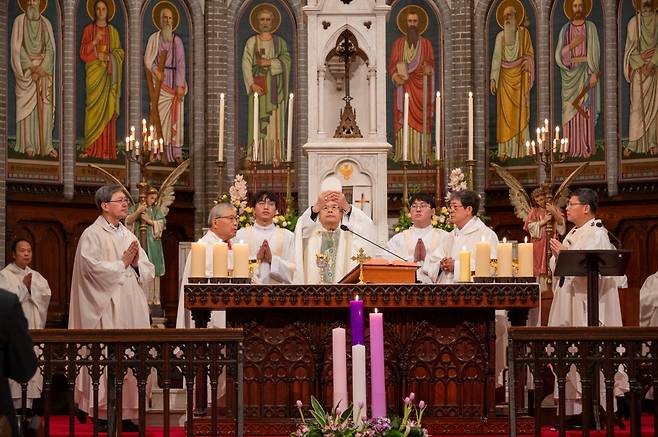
438, 169
254, 173
405, 186
471, 169
483, 279
288, 165
197, 280
525, 279
220, 179
240, 280
504, 279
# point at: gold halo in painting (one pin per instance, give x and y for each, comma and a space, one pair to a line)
91, 6
157, 10
423, 19
637, 5
587, 8
43, 4
276, 16
500, 10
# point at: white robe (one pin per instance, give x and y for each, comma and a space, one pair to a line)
35, 306
184, 316
404, 244
569, 307
649, 301
308, 239
107, 295
282, 246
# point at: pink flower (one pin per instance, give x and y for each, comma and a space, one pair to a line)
421, 404
299, 404
407, 401
412, 396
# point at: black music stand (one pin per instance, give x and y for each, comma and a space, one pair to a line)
592, 263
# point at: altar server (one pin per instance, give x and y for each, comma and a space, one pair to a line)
273, 247
34, 295
323, 250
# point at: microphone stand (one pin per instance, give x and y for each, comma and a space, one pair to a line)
345, 228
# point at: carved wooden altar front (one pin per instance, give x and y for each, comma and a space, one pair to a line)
439, 343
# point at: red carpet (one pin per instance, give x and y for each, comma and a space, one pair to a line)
59, 427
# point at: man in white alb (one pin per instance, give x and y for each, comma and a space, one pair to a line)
418, 242
273, 247
319, 232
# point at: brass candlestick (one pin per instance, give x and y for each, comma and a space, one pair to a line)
471, 169
438, 169
220, 179
405, 186
288, 165
254, 173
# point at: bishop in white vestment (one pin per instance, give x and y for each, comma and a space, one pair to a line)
417, 243
569, 307
324, 237
273, 247
33, 293
106, 291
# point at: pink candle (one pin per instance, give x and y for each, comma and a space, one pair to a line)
340, 368
377, 377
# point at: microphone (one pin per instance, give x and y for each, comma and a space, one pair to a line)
345, 228
617, 241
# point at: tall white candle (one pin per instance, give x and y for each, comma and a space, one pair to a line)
198, 260
405, 129
254, 147
359, 382
525, 254
290, 113
240, 260
341, 398
438, 125
220, 150
220, 259
504, 251
470, 126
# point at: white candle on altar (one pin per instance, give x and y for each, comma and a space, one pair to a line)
470, 126
339, 355
289, 139
504, 259
359, 382
220, 260
127, 144
254, 146
161, 145
405, 128
464, 265
483, 259
198, 260
220, 150
557, 133
525, 251
240, 260
437, 132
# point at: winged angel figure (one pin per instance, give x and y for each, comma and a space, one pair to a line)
150, 215
539, 212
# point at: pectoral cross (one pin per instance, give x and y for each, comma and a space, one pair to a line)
362, 201
361, 257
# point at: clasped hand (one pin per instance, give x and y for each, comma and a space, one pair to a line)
131, 255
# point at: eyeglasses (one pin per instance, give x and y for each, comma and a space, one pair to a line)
124, 200
571, 205
330, 208
420, 206
455, 206
232, 218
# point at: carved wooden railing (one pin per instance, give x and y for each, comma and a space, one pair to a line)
172, 353
596, 352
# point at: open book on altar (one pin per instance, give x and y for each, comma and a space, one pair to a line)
383, 271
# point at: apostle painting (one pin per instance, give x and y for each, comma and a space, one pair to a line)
33, 63
164, 63
640, 61
103, 56
411, 67
577, 55
512, 76
266, 67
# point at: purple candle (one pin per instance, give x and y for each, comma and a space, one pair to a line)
356, 318
377, 377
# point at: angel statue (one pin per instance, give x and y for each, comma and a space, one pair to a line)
150, 216
541, 214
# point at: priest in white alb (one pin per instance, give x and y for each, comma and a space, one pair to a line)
569, 307
106, 292
223, 224
324, 251
649, 301
422, 239
273, 247
33, 293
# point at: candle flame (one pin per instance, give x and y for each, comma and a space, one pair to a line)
470, 94
525, 239
376, 310
292, 95
438, 93
143, 121
504, 239
356, 297
406, 95
221, 95
463, 248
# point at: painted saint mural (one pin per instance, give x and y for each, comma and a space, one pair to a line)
103, 56
578, 55
266, 70
412, 69
165, 69
512, 77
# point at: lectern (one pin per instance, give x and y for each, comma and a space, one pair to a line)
592, 263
